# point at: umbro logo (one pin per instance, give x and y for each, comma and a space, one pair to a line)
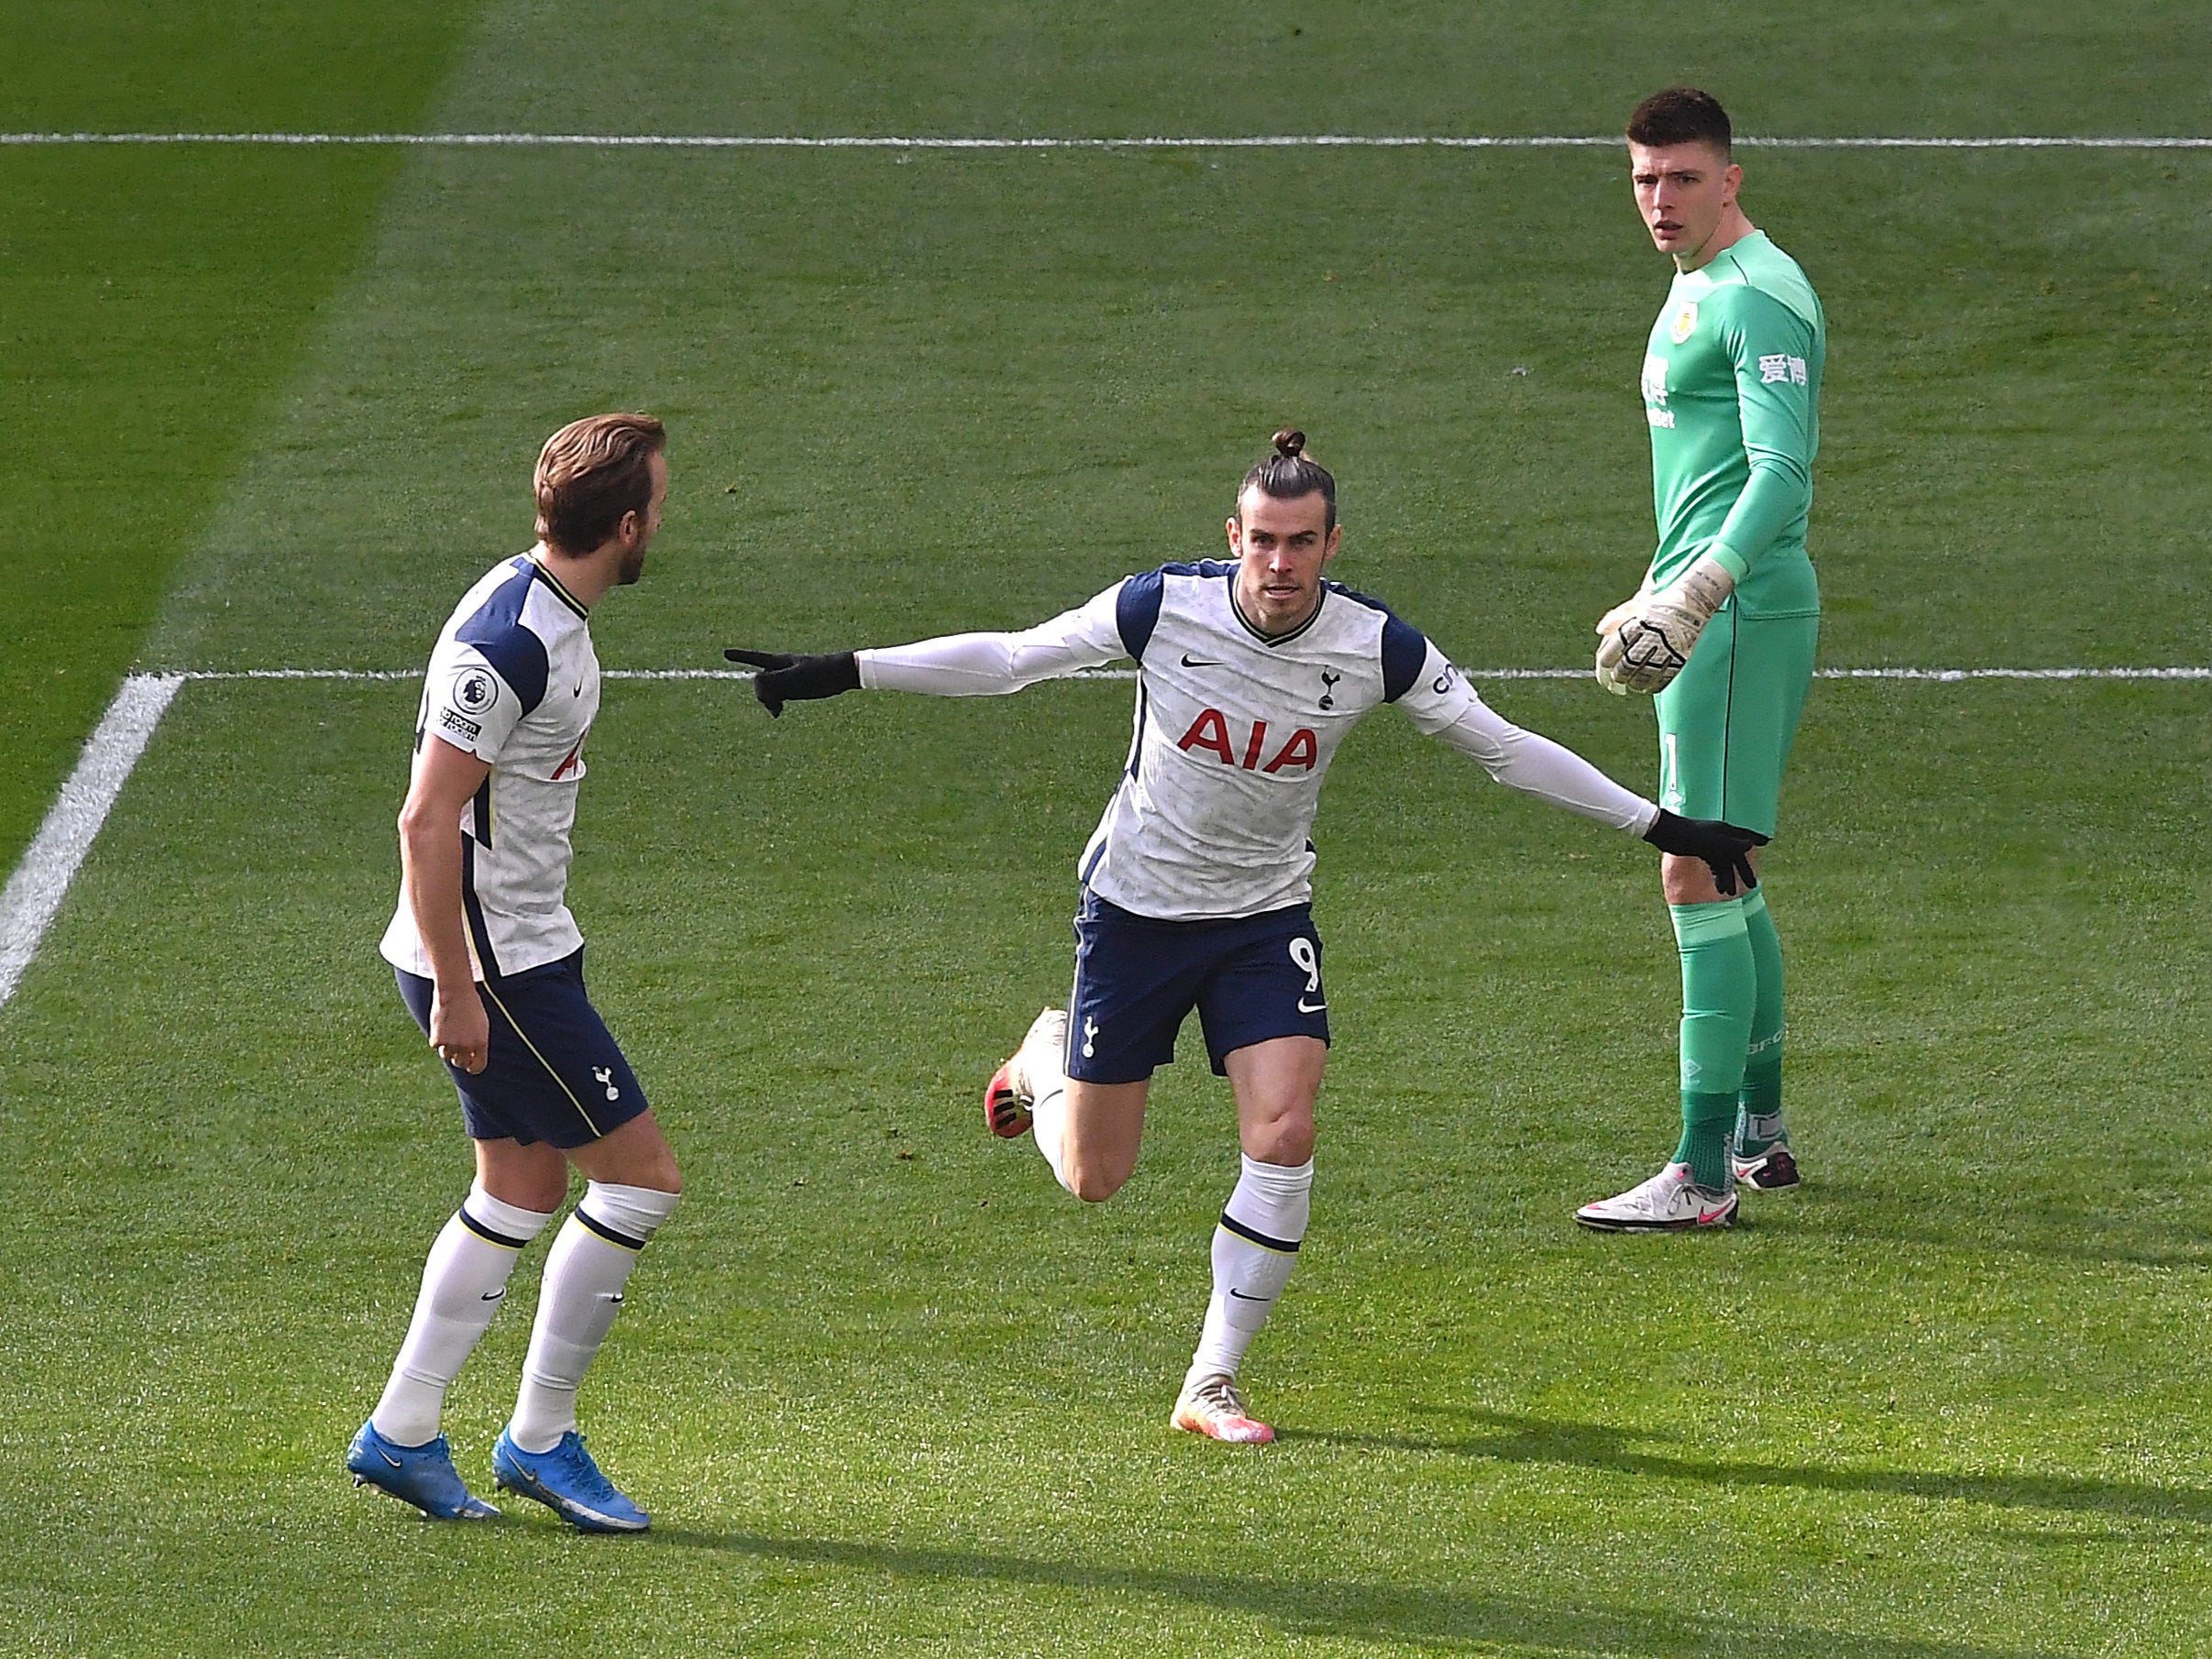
1194, 662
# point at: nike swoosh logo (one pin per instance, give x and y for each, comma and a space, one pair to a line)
1192, 662
1240, 1296
1303, 1007
495, 1295
388, 1457
1707, 1217
579, 689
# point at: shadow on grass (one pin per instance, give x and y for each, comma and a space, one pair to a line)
1313, 1606
1868, 1214
1506, 1438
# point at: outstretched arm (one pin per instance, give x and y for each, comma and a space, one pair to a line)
1443, 705
1536, 765
954, 664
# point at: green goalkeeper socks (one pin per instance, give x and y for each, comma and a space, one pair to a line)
1720, 991
1759, 1106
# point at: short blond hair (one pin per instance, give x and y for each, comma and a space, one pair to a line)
591, 473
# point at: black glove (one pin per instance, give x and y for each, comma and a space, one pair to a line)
784, 678
1725, 849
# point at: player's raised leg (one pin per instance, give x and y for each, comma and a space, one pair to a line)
632, 1188
1090, 1133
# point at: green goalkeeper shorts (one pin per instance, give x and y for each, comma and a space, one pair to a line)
1726, 724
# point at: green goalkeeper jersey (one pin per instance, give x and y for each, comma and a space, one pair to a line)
1732, 389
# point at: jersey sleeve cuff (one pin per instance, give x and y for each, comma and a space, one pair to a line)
1730, 560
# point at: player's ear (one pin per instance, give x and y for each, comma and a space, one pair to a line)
1234, 532
1336, 540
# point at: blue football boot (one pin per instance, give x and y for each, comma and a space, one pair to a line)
567, 1482
421, 1475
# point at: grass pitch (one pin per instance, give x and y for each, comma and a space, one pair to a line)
884, 1387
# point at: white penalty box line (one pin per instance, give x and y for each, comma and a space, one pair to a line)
34, 894
1162, 142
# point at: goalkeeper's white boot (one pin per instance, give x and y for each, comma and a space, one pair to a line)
1669, 1201
1773, 1171
1007, 1096
1213, 1407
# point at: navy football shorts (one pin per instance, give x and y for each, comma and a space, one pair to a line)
554, 1073
1252, 978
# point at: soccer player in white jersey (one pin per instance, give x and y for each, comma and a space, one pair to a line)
490, 963
1196, 885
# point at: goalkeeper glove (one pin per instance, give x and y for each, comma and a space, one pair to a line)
1725, 849
784, 678
1650, 638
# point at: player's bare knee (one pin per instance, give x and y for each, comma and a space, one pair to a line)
1288, 1141
1097, 1181
1687, 881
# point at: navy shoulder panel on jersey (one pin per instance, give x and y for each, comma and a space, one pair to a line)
1404, 646
1405, 650
497, 631
1137, 610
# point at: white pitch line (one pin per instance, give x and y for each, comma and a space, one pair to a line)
1262, 141
1939, 675
35, 892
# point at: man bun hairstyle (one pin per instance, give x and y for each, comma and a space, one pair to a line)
1290, 474
591, 473
1681, 114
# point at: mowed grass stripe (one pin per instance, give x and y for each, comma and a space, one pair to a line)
1016, 343
152, 302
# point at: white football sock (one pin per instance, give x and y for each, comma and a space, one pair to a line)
463, 1284
1048, 1123
1254, 1249
585, 1272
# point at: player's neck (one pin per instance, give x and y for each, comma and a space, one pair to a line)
1733, 228
584, 578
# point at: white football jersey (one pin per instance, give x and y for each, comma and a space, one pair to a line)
1235, 730
514, 681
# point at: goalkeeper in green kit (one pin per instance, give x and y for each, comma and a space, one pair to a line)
1721, 633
